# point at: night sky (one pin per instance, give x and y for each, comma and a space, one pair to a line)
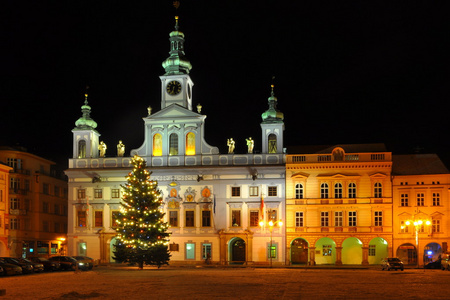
345, 71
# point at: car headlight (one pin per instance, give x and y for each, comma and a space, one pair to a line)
81, 264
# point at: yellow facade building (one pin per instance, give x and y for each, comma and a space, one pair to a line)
339, 205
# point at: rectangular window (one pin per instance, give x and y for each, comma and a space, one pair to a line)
236, 218
403, 227
14, 184
81, 194
324, 222
206, 251
115, 193
436, 225
235, 191
272, 251
253, 191
56, 209
190, 251
420, 199
81, 218
272, 191
14, 163
272, 215
14, 203
174, 247
352, 190
57, 227
338, 191
298, 191
299, 221
45, 226
378, 218
206, 218
372, 250
45, 207
46, 189
98, 218
338, 219
254, 218
57, 191
436, 199
352, 218
98, 193
327, 250
14, 224
114, 216
404, 200
173, 218
189, 218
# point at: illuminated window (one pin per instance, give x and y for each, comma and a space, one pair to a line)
420, 199
157, 145
81, 194
404, 200
81, 218
327, 250
98, 218
190, 251
236, 218
352, 190
299, 221
338, 190
253, 191
82, 149
173, 144
272, 250
403, 227
272, 139
115, 193
98, 193
378, 190
190, 143
206, 251
299, 191
338, 218
254, 218
352, 218
324, 221
324, 191
436, 199
272, 215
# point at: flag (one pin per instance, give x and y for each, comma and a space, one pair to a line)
262, 207
214, 204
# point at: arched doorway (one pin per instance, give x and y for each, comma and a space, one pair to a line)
299, 251
112, 248
378, 249
325, 251
407, 253
352, 251
432, 252
237, 251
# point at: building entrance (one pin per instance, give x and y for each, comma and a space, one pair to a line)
237, 251
299, 251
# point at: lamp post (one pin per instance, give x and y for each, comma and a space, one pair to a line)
271, 224
418, 223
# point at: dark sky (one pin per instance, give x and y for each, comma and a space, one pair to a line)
345, 71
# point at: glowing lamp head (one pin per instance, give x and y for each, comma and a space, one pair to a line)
280, 223
408, 223
261, 223
420, 222
270, 223
428, 222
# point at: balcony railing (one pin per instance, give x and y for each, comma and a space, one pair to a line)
348, 158
329, 201
341, 229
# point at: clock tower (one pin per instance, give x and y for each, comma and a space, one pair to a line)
176, 84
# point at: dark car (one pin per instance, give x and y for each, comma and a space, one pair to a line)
69, 263
392, 263
48, 265
27, 268
433, 264
37, 266
9, 269
89, 262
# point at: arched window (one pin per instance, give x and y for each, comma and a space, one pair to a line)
378, 190
324, 191
173, 144
272, 139
352, 190
299, 191
82, 149
338, 190
157, 145
190, 143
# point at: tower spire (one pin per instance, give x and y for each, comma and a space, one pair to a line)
176, 63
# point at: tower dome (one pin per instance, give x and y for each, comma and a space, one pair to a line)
86, 122
272, 115
176, 63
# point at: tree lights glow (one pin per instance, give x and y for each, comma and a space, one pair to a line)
141, 232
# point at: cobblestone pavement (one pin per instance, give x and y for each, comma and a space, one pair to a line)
230, 283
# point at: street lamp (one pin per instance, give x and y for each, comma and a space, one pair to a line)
271, 224
418, 223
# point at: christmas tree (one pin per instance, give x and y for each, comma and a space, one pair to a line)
142, 236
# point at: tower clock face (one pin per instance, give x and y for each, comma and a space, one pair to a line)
173, 87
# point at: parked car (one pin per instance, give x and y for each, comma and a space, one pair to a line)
445, 262
433, 264
69, 263
37, 266
26, 267
87, 260
9, 269
392, 263
48, 265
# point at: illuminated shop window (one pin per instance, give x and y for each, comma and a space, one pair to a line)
190, 143
157, 145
